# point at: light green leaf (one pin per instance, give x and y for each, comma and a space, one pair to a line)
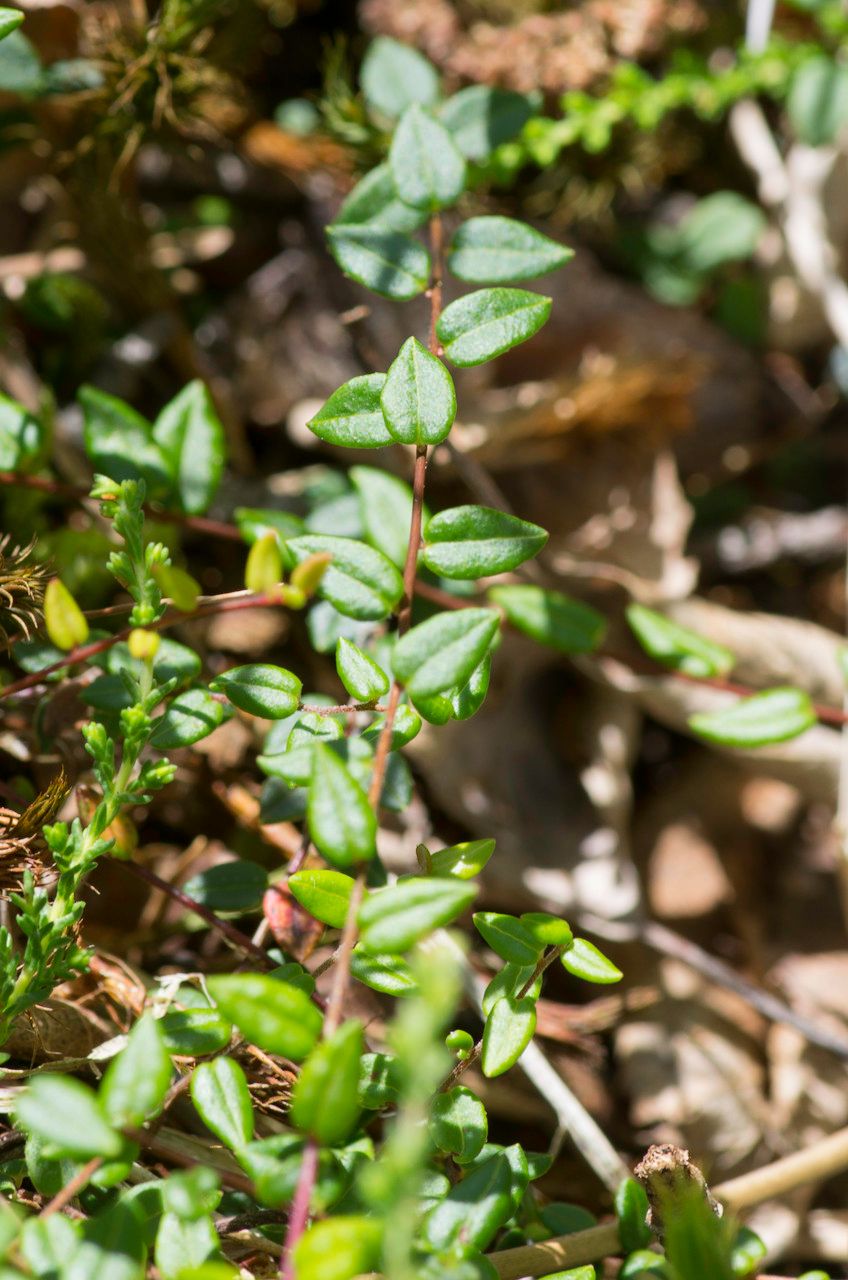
65, 1115
359, 581
511, 980
237, 885
508, 1031
724, 227
428, 169
507, 936
10, 19
260, 689
385, 503
393, 76
473, 1209
352, 417
219, 1092
495, 250
474, 542
772, 716
418, 399
482, 325
137, 1080
113, 1247
375, 202
464, 860
182, 1245
191, 437
324, 894
468, 699
458, 1123
380, 1081
551, 618
387, 974
676, 646
407, 724
342, 824
273, 1015
550, 931
388, 262
325, 1102
191, 716
442, 652
360, 675
392, 920
584, 960
818, 100
119, 442
338, 1248
22, 435
481, 118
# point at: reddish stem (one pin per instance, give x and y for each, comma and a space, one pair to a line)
299, 1212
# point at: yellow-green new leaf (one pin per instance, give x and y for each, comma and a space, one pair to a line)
65, 621
338, 1248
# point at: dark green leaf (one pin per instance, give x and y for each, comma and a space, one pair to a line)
113, 1247
585, 961
474, 542
359, 581
418, 399
428, 169
676, 646
375, 202
342, 824
273, 1015
473, 1210
392, 920
508, 1031
393, 76
352, 417
482, 325
386, 507
260, 689
387, 262
443, 651
360, 675
119, 442
219, 1092
324, 894
237, 885
631, 1207
191, 437
407, 724
191, 716
325, 1102
551, 618
507, 936
772, 716
137, 1080
467, 700
481, 118
195, 1032
458, 1123
495, 250
379, 1081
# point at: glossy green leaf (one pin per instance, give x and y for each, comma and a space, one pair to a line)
194, 1032
273, 1015
338, 1248
474, 542
325, 1102
473, 1210
360, 675
387, 974
676, 646
508, 937
191, 716
392, 920
183, 1246
443, 651
407, 724
772, 716
509, 1029
45, 1244
584, 960
644, 1264
324, 894
260, 689
385, 503
748, 1252
631, 1207
482, 325
66, 1116
342, 824
191, 437
119, 442
387, 262
237, 885
219, 1092
427, 168
466, 700
495, 250
10, 19
563, 1219
548, 930
481, 118
458, 1123
137, 1080
394, 75
22, 435
359, 581
818, 100
551, 618
375, 202
464, 860
418, 399
352, 417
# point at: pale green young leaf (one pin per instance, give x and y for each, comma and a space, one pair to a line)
271, 1014
137, 1080
385, 502
342, 824
325, 1102
481, 118
427, 168
360, 582
392, 920
458, 1123
482, 325
508, 937
191, 437
509, 1029
394, 75
676, 646
387, 262
219, 1092
67, 1117
375, 202
338, 1248
364, 680
352, 417
584, 960
551, 618
260, 689
324, 894
418, 399
775, 715
495, 250
474, 542
442, 652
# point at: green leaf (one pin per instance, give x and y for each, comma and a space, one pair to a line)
389, 975
219, 1092
508, 937
747, 1253
464, 860
494, 250
119, 442
260, 689
191, 716
324, 894
548, 930
677, 646
393, 76
458, 1123
564, 1219
45, 1243
474, 542
191, 437
467, 699
325, 1102
585, 961
113, 1247
644, 1264
194, 1032
21, 71
443, 651
338, 1248
359, 581
375, 202
481, 118
255, 522
182, 1245
418, 399
473, 1209
385, 503
352, 417
631, 1207
237, 885
482, 325
22, 435
137, 1080
360, 675
818, 100
392, 920
342, 824
509, 1029
428, 169
551, 618
273, 1015
724, 227
407, 724
65, 1115
10, 19
772, 716
387, 262
380, 1081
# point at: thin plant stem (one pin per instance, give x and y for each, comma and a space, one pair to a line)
299, 1213
72, 1188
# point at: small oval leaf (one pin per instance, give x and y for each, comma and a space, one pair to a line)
509, 1029
260, 689
772, 716
482, 325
